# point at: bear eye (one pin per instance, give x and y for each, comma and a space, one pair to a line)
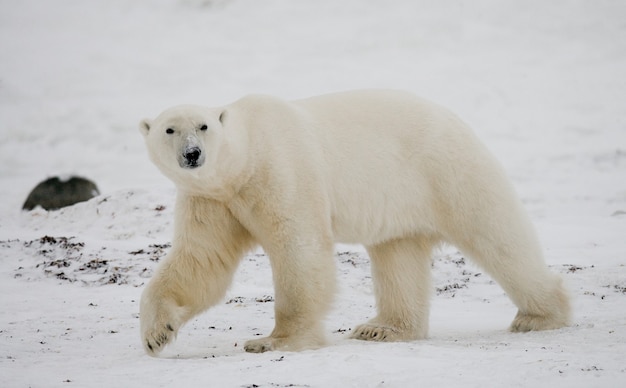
203, 127
169, 131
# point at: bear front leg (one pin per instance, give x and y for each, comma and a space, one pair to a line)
402, 284
160, 316
207, 247
304, 282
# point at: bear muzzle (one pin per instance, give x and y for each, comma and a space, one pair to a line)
192, 157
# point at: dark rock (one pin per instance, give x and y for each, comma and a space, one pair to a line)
55, 193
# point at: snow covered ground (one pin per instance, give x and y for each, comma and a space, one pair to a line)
543, 84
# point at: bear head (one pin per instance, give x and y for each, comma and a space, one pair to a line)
187, 144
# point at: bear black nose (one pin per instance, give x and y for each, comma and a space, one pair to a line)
192, 155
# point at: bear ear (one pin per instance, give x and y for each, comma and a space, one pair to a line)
144, 126
222, 117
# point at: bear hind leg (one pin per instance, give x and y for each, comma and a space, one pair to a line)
520, 270
401, 270
546, 312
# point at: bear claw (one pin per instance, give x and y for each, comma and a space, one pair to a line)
368, 332
258, 346
156, 341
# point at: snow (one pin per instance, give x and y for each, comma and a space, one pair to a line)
542, 83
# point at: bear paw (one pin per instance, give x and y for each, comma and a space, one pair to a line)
379, 330
156, 338
159, 321
290, 344
529, 322
260, 345
372, 332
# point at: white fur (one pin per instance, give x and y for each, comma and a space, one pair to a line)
382, 168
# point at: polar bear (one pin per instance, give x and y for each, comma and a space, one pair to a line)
385, 169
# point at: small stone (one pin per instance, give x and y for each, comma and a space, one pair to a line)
56, 193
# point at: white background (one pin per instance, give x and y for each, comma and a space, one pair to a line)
543, 83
